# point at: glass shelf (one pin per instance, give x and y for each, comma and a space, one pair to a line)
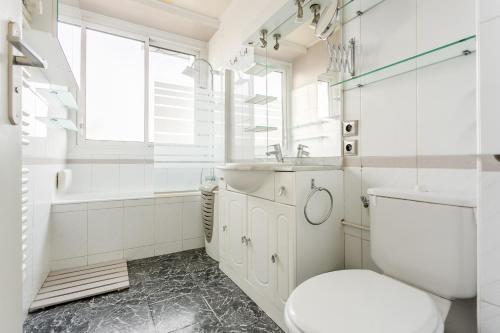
259, 129
59, 122
459, 48
260, 99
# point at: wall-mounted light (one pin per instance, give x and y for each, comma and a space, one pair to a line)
277, 43
315, 10
263, 38
299, 18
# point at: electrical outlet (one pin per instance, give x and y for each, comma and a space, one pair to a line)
350, 128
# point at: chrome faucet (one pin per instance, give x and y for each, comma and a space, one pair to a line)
301, 152
276, 152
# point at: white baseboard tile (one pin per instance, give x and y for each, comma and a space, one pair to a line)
194, 243
68, 263
139, 252
103, 257
167, 248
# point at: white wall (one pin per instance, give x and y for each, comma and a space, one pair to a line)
489, 176
43, 157
10, 191
417, 128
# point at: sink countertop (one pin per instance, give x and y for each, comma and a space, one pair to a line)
276, 167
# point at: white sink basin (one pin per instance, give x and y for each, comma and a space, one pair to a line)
249, 177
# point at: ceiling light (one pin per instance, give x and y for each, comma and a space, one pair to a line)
263, 38
277, 44
299, 18
315, 10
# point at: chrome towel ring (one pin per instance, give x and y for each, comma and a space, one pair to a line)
314, 190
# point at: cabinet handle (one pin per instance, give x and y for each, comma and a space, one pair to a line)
244, 240
282, 191
274, 258
224, 227
248, 241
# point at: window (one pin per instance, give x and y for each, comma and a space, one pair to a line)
172, 97
70, 37
114, 108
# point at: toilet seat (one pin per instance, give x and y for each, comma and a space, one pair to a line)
360, 301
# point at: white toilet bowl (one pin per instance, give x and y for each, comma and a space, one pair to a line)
360, 301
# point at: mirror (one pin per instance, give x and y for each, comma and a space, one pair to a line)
299, 74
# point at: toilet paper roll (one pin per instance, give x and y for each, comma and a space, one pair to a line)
64, 178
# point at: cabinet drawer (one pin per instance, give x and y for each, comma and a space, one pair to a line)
285, 188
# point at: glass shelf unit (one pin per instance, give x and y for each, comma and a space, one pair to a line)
59, 122
462, 47
260, 128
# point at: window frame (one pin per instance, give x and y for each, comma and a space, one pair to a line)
78, 143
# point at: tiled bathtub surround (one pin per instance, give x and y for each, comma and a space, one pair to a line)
92, 231
180, 292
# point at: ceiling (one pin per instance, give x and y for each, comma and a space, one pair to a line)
190, 18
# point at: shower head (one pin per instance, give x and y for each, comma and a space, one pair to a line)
190, 71
328, 21
299, 18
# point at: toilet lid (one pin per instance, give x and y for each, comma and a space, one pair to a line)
360, 301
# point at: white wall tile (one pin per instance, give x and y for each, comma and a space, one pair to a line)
489, 81
352, 193
132, 177
166, 248
139, 252
448, 180
103, 257
191, 220
149, 183
446, 114
386, 177
444, 21
68, 263
386, 33
489, 317
194, 243
82, 178
105, 230
138, 226
159, 179
61, 208
103, 204
388, 112
353, 253
183, 178
105, 177
138, 202
168, 222
488, 9
68, 235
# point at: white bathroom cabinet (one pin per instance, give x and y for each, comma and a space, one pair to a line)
266, 245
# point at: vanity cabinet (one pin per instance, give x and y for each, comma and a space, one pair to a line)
267, 247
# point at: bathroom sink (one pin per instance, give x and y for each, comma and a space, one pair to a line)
249, 177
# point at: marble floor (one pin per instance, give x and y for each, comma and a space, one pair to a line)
180, 292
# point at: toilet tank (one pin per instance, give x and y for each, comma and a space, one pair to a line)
426, 239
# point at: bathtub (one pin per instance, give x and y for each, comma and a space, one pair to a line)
89, 228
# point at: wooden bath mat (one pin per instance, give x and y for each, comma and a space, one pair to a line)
80, 282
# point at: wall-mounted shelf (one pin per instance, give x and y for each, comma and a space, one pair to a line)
259, 129
260, 99
58, 96
59, 122
257, 69
312, 123
319, 137
455, 49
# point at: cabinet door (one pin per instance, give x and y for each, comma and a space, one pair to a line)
260, 245
223, 232
236, 222
284, 220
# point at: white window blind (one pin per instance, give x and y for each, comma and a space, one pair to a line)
186, 115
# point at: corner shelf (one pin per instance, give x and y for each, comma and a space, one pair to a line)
459, 48
260, 99
58, 96
59, 122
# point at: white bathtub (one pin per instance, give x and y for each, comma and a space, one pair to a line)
88, 228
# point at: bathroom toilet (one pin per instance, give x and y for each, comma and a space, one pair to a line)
424, 242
